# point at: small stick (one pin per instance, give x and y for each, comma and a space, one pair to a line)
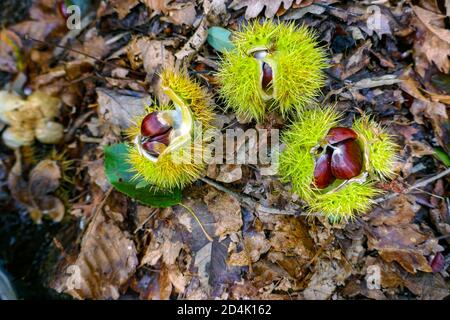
27, 37
249, 202
419, 184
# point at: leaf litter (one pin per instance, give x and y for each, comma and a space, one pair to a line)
105, 76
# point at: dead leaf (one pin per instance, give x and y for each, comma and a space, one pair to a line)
229, 173
121, 109
355, 62
107, 259
402, 242
37, 193
432, 42
328, 274
226, 211
122, 7
255, 7
434, 22
184, 15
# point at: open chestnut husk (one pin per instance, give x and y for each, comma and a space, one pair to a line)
156, 129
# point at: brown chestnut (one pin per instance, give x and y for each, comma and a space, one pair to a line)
346, 161
267, 76
322, 171
163, 138
155, 124
154, 148
339, 134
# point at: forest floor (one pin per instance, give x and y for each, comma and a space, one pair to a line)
396, 69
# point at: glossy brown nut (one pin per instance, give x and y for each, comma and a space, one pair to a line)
322, 172
163, 138
267, 76
154, 124
346, 161
339, 134
154, 148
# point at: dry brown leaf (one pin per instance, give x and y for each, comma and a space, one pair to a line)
328, 274
107, 259
176, 12
36, 194
434, 22
151, 54
226, 211
229, 173
255, 244
432, 42
255, 7
122, 7
184, 15
120, 109
400, 240
291, 237
355, 62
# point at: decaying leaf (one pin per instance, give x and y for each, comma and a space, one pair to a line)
107, 259
255, 7
397, 239
121, 109
226, 211
328, 274
37, 194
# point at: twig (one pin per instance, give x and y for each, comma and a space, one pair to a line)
27, 37
419, 184
96, 213
139, 227
249, 202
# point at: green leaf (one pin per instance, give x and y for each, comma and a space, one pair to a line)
120, 174
442, 155
219, 39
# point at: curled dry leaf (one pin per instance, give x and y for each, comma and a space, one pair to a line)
106, 261
37, 193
